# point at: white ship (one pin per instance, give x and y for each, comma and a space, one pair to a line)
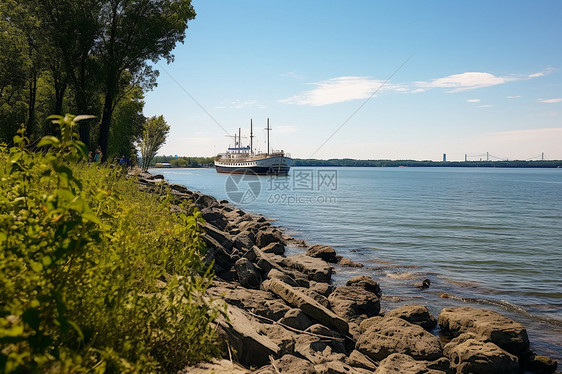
241, 160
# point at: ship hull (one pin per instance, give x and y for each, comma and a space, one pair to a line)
265, 166
253, 169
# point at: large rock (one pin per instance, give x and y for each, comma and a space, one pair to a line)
283, 337
351, 302
223, 238
260, 302
305, 303
323, 252
275, 248
474, 356
215, 218
243, 241
315, 268
398, 363
416, 314
250, 347
394, 335
337, 367
216, 367
247, 275
288, 364
264, 238
359, 360
367, 283
487, 325
317, 350
297, 319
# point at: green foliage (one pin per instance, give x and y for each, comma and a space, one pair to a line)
184, 162
153, 137
95, 275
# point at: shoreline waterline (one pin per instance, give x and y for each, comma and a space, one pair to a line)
397, 274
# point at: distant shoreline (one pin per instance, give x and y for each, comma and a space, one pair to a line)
412, 163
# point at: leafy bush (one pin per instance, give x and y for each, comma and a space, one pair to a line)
96, 275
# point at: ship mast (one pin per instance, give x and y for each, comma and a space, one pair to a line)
268, 130
251, 138
239, 139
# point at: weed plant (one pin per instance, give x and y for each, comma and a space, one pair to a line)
96, 275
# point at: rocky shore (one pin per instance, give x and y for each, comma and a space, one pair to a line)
286, 317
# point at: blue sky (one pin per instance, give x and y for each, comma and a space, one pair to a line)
400, 79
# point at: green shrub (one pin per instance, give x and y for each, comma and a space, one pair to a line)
96, 275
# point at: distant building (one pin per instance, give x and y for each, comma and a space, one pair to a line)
444, 157
163, 165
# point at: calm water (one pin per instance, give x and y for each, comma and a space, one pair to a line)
492, 235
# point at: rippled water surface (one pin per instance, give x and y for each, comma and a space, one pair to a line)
489, 236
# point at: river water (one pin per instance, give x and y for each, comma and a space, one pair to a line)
490, 236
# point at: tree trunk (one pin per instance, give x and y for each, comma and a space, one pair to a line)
105, 123
31, 104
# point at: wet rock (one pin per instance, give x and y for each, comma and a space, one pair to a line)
323, 252
347, 262
315, 268
288, 364
367, 283
487, 325
541, 365
416, 314
248, 345
398, 363
350, 302
247, 275
474, 356
275, 248
305, 303
394, 335
423, 284
264, 238
296, 318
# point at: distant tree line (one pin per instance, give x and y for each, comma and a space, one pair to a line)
413, 163
184, 162
84, 57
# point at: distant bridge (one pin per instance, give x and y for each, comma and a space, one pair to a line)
489, 157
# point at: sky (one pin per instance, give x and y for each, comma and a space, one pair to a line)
367, 79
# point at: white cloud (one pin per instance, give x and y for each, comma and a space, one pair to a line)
466, 81
514, 97
485, 106
550, 101
473, 101
339, 90
472, 80
240, 104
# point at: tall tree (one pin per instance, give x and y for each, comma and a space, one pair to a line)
135, 32
153, 137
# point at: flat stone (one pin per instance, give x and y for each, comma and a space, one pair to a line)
367, 283
474, 356
394, 335
275, 248
351, 302
487, 325
297, 319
